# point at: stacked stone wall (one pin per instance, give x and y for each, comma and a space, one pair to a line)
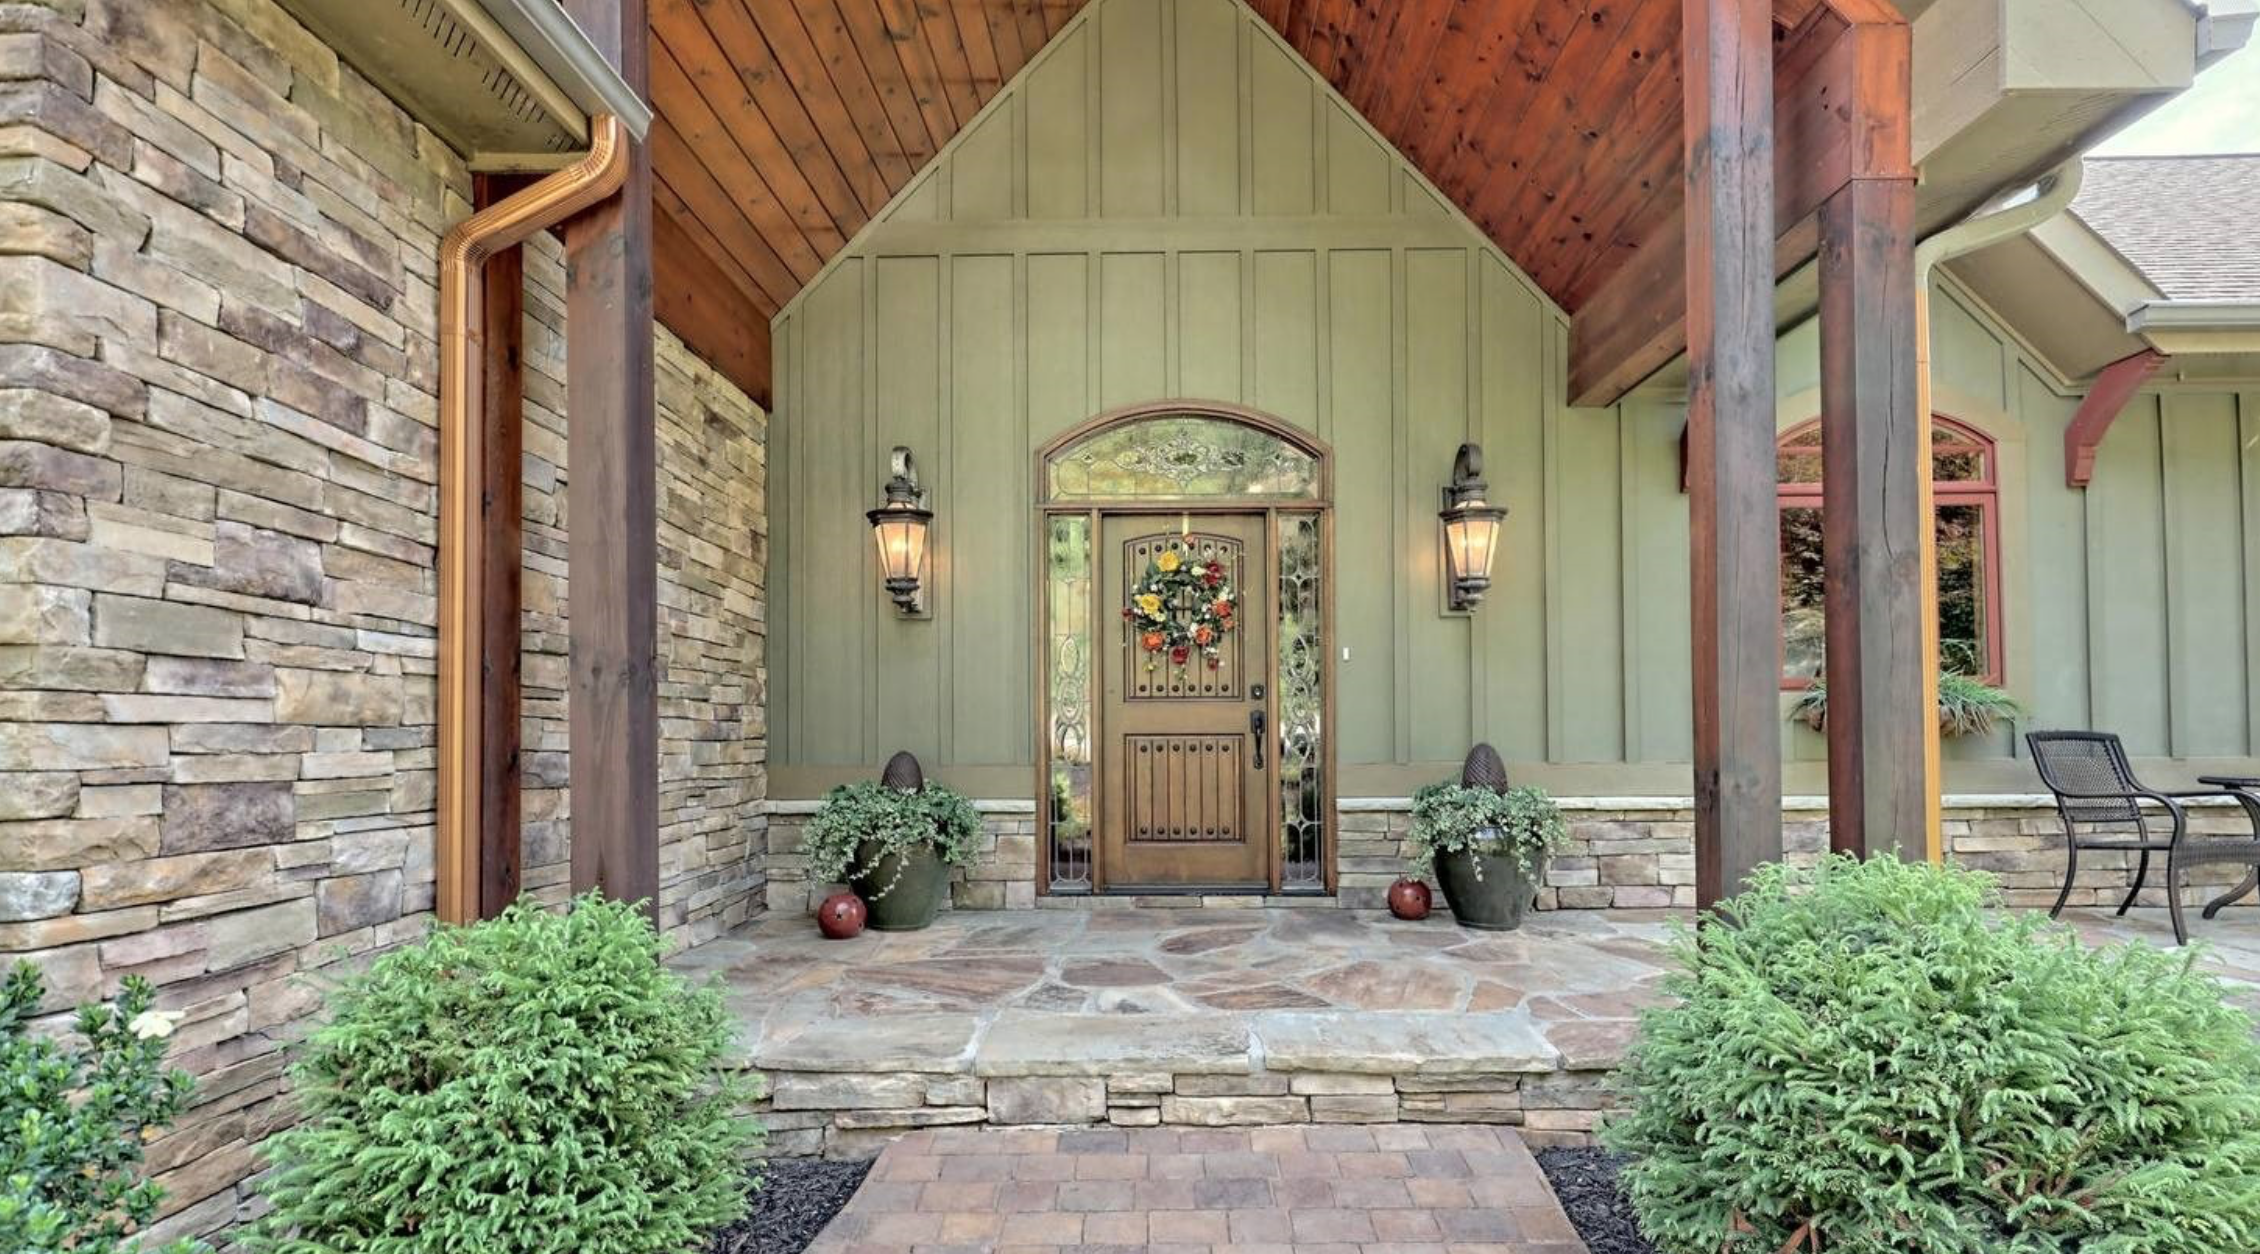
1623, 858
1002, 875
218, 468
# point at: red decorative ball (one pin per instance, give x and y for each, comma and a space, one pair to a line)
1408, 899
841, 916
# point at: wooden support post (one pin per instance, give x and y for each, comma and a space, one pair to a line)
1734, 525
1872, 523
612, 562
502, 547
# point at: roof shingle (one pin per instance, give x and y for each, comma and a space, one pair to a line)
2190, 224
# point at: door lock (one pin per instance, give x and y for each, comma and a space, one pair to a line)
1255, 729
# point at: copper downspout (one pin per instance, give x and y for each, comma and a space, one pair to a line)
462, 560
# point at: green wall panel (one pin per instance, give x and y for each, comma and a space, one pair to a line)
903, 697
2052, 596
1284, 161
1207, 74
1511, 681
1168, 202
986, 543
1057, 100
1131, 146
2126, 579
2204, 595
1209, 352
1286, 336
1366, 532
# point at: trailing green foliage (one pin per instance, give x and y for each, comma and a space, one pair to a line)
860, 824
73, 1121
1868, 1062
538, 1082
1966, 706
1450, 817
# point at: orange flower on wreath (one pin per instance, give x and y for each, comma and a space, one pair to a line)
1222, 608
1152, 640
1203, 636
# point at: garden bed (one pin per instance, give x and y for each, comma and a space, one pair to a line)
797, 1197
1585, 1182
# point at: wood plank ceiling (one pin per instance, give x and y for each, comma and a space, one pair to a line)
784, 125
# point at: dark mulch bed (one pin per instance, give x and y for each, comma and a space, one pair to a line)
797, 1197
1586, 1182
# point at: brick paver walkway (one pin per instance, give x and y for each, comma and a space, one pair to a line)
1387, 1189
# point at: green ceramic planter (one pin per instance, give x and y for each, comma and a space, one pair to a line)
1495, 902
915, 897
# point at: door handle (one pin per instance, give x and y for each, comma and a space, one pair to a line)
1255, 728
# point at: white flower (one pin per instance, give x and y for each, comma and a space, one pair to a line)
155, 1025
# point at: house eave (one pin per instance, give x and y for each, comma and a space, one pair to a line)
2184, 327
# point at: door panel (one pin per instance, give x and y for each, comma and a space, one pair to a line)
1185, 797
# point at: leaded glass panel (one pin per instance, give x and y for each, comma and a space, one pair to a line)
1187, 455
1302, 706
1067, 587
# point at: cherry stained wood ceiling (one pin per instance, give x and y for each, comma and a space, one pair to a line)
784, 125
1553, 124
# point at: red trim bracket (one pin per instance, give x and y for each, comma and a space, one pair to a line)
2112, 390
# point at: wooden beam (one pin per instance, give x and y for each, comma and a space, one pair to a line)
715, 319
1872, 526
612, 558
1633, 325
502, 521
2112, 389
1734, 526
1872, 436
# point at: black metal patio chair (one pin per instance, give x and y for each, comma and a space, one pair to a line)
2104, 807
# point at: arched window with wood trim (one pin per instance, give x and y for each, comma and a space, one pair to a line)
1965, 492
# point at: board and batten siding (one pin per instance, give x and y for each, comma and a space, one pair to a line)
1169, 203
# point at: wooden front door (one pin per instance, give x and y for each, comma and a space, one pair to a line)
1185, 772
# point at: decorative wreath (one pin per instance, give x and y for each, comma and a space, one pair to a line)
1176, 580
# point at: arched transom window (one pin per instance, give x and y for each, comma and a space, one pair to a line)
1967, 516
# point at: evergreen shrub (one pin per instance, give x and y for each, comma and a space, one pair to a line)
538, 1082
1867, 1060
74, 1115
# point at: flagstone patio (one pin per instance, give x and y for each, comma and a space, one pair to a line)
1212, 1017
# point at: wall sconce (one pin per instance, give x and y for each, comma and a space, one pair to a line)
901, 527
1471, 530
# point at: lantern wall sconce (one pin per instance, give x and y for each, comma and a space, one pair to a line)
902, 527
1471, 531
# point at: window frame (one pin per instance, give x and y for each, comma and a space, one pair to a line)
1983, 492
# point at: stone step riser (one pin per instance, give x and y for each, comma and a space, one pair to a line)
856, 1114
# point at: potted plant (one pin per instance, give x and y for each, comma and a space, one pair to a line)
893, 846
1966, 706
1487, 848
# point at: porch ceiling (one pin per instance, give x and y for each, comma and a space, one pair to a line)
783, 126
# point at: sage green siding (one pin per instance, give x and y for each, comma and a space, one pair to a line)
1168, 203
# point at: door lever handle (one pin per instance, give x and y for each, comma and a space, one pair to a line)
1255, 728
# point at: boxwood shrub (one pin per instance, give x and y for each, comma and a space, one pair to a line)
538, 1082
1868, 1060
75, 1112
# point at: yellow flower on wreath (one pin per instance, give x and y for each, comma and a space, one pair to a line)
1150, 605
1168, 562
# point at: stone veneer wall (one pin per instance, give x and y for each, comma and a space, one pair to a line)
217, 493
1619, 855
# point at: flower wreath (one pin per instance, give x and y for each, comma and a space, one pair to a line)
1174, 578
